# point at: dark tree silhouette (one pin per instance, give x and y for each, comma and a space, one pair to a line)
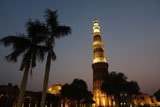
65, 93
116, 84
77, 90
29, 47
157, 95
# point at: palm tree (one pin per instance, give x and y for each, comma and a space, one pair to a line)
29, 47
54, 30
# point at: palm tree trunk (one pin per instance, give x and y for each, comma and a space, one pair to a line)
23, 86
46, 78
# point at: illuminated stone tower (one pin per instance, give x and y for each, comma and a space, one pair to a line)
100, 68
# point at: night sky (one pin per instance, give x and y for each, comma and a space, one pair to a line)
130, 32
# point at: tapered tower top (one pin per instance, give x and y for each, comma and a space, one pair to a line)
98, 47
96, 27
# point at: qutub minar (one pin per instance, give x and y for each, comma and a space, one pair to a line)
100, 69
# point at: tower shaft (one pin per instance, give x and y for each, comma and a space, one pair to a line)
100, 68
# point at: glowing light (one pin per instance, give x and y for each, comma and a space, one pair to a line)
97, 44
98, 59
142, 104
50, 89
103, 101
55, 89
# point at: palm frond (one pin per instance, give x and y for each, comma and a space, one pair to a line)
37, 30
51, 18
14, 55
19, 44
7, 41
33, 60
14, 40
53, 55
26, 60
62, 31
41, 52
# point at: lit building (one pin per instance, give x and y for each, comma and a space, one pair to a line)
55, 89
100, 69
146, 100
